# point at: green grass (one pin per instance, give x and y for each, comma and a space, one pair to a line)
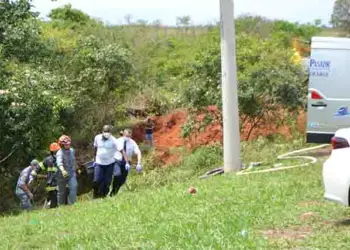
333, 32
228, 212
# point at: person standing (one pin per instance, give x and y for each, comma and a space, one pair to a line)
65, 159
49, 166
149, 131
105, 148
22, 190
122, 161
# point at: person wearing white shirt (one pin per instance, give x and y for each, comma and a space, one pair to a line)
122, 163
105, 148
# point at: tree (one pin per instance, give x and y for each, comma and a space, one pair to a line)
99, 75
318, 22
19, 31
183, 21
341, 15
268, 81
141, 22
67, 13
128, 19
157, 23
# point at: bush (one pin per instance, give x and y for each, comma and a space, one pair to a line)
268, 80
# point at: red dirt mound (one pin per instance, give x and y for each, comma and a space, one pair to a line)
168, 130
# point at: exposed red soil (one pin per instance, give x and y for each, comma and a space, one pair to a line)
168, 130
296, 233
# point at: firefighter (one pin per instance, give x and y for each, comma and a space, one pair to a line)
49, 166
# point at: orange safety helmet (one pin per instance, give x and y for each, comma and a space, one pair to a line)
54, 147
64, 140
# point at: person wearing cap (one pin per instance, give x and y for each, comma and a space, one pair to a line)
22, 190
105, 145
65, 160
49, 166
122, 161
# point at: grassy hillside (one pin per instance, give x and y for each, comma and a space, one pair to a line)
332, 32
282, 210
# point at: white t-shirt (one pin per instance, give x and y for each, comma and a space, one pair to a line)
106, 149
131, 148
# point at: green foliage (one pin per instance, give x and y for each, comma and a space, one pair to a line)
73, 74
341, 15
66, 13
28, 121
268, 80
67, 17
19, 31
256, 25
98, 76
280, 30
286, 31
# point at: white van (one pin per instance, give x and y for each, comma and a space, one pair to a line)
329, 88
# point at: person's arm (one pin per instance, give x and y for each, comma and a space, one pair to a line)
95, 148
59, 159
120, 148
25, 188
137, 152
60, 165
124, 155
72, 151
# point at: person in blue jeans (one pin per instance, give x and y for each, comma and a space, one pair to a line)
149, 131
105, 148
65, 160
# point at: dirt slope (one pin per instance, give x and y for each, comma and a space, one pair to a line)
168, 129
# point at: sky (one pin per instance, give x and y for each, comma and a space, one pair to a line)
201, 11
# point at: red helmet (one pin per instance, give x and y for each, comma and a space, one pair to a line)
54, 147
64, 140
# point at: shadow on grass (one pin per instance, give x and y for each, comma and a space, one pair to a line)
325, 152
343, 223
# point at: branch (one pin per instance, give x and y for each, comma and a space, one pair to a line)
8, 156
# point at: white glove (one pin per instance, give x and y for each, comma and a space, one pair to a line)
138, 167
33, 173
64, 172
127, 166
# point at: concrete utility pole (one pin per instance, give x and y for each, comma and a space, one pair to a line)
232, 160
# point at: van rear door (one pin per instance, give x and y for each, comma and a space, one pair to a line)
329, 88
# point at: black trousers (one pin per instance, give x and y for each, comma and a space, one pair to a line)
102, 180
52, 197
119, 180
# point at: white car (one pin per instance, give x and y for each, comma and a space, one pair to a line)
336, 170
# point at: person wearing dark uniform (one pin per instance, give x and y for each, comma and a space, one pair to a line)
49, 166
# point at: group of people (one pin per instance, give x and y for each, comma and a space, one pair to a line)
112, 162
61, 180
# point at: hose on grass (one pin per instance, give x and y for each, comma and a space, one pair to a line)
288, 156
